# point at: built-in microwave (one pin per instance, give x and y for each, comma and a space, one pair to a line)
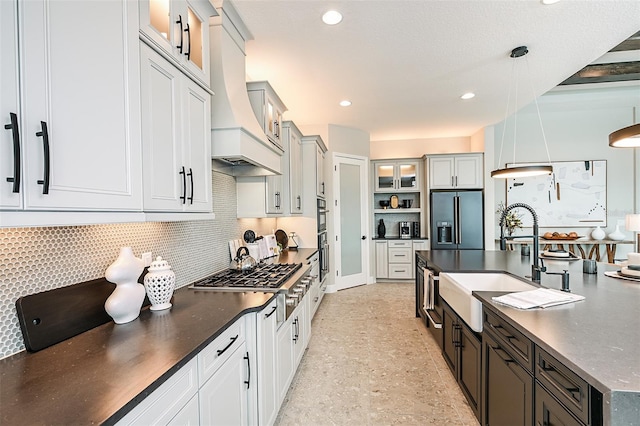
322, 215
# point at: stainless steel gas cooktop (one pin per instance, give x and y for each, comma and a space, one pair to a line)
266, 277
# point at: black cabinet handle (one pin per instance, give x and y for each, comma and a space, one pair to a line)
248, 381
277, 195
179, 21
223, 350
190, 174
183, 197
498, 349
188, 54
322, 187
299, 202
16, 151
270, 313
44, 133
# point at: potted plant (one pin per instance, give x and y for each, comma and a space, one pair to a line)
512, 220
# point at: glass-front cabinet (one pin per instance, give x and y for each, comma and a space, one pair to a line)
181, 29
397, 176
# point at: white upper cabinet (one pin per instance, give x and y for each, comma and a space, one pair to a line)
180, 29
268, 109
71, 112
463, 171
397, 176
176, 138
293, 153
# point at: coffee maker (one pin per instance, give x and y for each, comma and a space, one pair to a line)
405, 230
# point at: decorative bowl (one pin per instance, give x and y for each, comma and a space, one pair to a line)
384, 203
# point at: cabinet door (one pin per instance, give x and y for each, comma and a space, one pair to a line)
180, 28
80, 77
508, 388
223, 398
161, 132
385, 178
320, 187
450, 342
295, 172
189, 415
408, 176
275, 194
441, 172
469, 366
268, 403
382, 260
468, 171
286, 367
550, 412
197, 146
10, 148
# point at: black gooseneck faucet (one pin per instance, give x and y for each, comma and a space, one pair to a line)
537, 266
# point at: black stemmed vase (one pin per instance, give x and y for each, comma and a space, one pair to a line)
381, 229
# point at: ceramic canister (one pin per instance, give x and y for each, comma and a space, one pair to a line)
160, 282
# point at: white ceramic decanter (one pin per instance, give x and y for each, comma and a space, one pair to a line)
598, 233
617, 235
126, 300
160, 282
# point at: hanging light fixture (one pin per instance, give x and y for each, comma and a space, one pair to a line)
627, 137
518, 171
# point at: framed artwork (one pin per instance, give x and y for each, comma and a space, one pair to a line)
574, 195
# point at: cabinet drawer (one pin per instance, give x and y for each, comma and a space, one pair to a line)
522, 347
548, 411
564, 384
164, 403
399, 255
218, 351
397, 244
400, 271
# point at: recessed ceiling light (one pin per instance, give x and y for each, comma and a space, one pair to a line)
332, 17
548, 2
468, 95
345, 103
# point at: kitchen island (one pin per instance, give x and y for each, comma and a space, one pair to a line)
100, 375
598, 338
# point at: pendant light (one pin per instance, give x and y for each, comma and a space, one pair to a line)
519, 171
627, 137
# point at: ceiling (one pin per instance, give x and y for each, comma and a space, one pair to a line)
405, 63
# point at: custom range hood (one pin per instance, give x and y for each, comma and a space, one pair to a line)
239, 146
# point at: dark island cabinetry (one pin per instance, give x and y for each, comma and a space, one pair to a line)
461, 349
508, 387
523, 384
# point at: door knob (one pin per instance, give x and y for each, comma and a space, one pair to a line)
364, 237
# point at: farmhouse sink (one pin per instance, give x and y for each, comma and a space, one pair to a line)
456, 289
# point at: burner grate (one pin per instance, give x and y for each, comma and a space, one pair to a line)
265, 276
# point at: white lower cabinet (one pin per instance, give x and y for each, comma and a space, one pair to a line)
224, 397
266, 354
286, 368
240, 378
169, 401
395, 259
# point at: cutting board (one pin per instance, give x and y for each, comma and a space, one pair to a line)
55, 315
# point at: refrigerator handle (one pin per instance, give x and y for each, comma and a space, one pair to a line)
458, 224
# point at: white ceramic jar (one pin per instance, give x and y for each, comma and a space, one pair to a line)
598, 233
160, 282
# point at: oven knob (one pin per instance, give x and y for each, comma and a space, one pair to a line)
298, 289
291, 301
305, 281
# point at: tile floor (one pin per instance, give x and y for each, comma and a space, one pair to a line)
371, 362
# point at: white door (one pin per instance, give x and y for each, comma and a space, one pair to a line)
350, 220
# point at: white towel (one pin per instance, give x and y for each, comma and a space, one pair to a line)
425, 286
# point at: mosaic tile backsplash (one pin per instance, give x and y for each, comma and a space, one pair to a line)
36, 259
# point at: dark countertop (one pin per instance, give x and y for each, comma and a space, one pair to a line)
100, 375
397, 237
598, 338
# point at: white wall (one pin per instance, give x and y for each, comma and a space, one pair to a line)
577, 125
416, 148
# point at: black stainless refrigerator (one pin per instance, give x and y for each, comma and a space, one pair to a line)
457, 220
